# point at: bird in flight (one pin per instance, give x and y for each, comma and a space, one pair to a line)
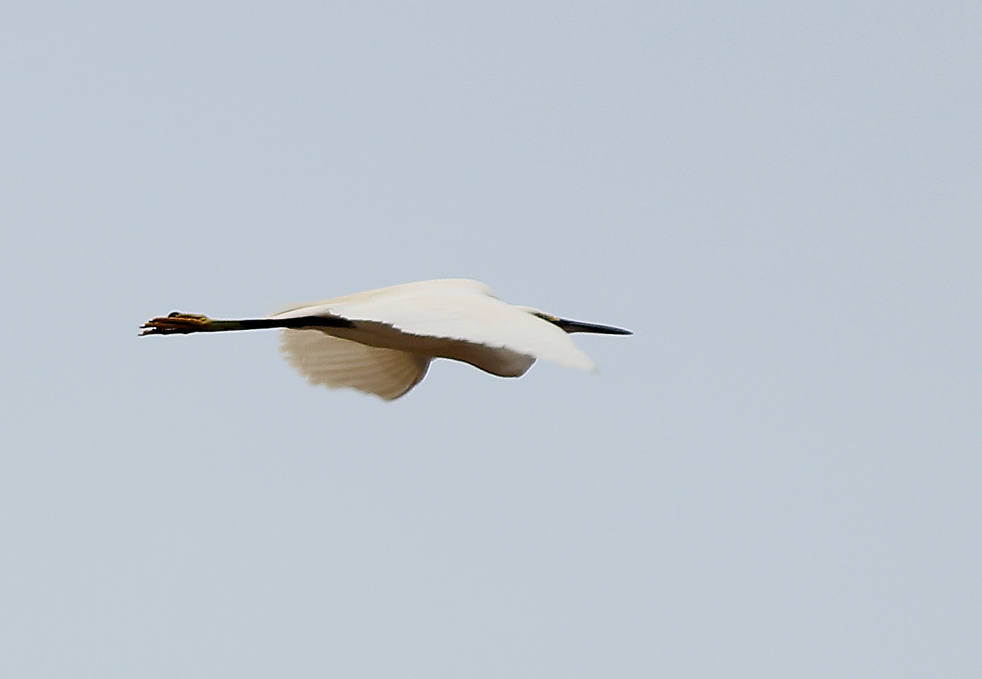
382, 341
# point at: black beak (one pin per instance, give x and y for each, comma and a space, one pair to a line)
577, 326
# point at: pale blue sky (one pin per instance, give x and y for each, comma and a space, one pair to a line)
777, 476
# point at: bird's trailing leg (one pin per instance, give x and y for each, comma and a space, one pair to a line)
177, 323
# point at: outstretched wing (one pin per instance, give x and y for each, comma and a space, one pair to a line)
457, 309
339, 363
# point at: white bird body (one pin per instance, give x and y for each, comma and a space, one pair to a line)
382, 341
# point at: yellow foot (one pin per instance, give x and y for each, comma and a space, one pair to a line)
176, 323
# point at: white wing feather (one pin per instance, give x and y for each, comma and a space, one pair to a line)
339, 363
458, 309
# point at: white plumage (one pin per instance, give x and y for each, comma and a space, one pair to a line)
382, 341
339, 363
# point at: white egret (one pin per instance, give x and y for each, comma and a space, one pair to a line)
382, 341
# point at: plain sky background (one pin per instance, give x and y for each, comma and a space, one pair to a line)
779, 475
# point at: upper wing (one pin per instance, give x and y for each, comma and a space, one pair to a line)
338, 363
456, 309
